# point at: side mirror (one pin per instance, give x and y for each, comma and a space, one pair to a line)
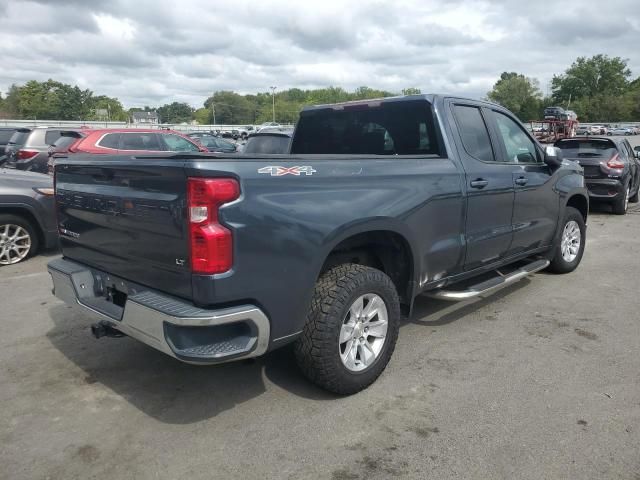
636, 150
553, 157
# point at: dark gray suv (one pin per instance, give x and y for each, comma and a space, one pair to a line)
27, 216
28, 148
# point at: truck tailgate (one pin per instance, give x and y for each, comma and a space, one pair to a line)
126, 215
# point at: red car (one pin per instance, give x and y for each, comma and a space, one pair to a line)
134, 141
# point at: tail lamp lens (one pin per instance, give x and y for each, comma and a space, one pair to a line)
211, 242
615, 162
25, 154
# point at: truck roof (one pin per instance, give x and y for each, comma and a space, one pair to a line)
429, 97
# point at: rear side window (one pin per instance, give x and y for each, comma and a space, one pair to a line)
175, 143
19, 137
110, 140
374, 128
51, 136
587, 148
473, 132
267, 144
140, 141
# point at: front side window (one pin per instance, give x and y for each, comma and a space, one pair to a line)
518, 145
176, 143
473, 132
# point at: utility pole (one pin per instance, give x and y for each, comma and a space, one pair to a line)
273, 101
213, 109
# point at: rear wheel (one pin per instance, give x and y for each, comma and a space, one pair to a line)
620, 205
569, 248
351, 329
634, 198
18, 239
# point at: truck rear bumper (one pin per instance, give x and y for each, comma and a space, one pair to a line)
168, 324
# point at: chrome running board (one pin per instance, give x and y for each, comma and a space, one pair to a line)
491, 285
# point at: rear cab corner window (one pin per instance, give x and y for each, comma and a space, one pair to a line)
368, 128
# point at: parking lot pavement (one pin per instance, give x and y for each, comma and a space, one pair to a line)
541, 380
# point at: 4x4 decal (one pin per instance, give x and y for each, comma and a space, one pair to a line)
278, 171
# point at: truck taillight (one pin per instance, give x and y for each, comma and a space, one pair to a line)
614, 162
211, 242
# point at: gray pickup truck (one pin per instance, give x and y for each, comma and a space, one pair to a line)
211, 258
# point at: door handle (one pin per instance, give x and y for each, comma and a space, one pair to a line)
479, 183
522, 181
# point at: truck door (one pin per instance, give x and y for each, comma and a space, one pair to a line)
536, 207
489, 187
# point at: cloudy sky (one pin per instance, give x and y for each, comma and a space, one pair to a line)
151, 52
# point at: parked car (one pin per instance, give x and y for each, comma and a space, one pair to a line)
62, 144
27, 215
267, 125
134, 141
28, 148
611, 169
599, 130
5, 136
379, 201
554, 113
216, 144
620, 131
269, 140
583, 130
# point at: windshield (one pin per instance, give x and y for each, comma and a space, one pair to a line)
587, 148
267, 144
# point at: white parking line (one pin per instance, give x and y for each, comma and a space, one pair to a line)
26, 275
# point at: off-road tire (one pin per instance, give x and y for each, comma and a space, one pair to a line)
558, 263
317, 349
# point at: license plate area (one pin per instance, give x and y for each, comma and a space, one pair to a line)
102, 293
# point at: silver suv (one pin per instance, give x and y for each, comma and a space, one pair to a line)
28, 148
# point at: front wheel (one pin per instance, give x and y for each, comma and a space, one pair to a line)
18, 239
351, 329
569, 248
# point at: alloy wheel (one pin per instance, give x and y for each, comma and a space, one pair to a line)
15, 244
363, 332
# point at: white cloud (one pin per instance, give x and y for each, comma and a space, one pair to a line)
151, 52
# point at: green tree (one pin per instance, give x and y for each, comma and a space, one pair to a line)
519, 94
589, 77
411, 91
175, 113
230, 108
203, 116
112, 106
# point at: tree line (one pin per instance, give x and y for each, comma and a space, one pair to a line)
598, 89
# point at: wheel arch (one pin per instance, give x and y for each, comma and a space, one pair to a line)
25, 212
581, 203
378, 244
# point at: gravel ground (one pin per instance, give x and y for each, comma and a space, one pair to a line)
540, 380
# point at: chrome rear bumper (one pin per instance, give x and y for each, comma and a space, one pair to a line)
168, 324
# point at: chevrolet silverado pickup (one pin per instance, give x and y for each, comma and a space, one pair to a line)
212, 257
